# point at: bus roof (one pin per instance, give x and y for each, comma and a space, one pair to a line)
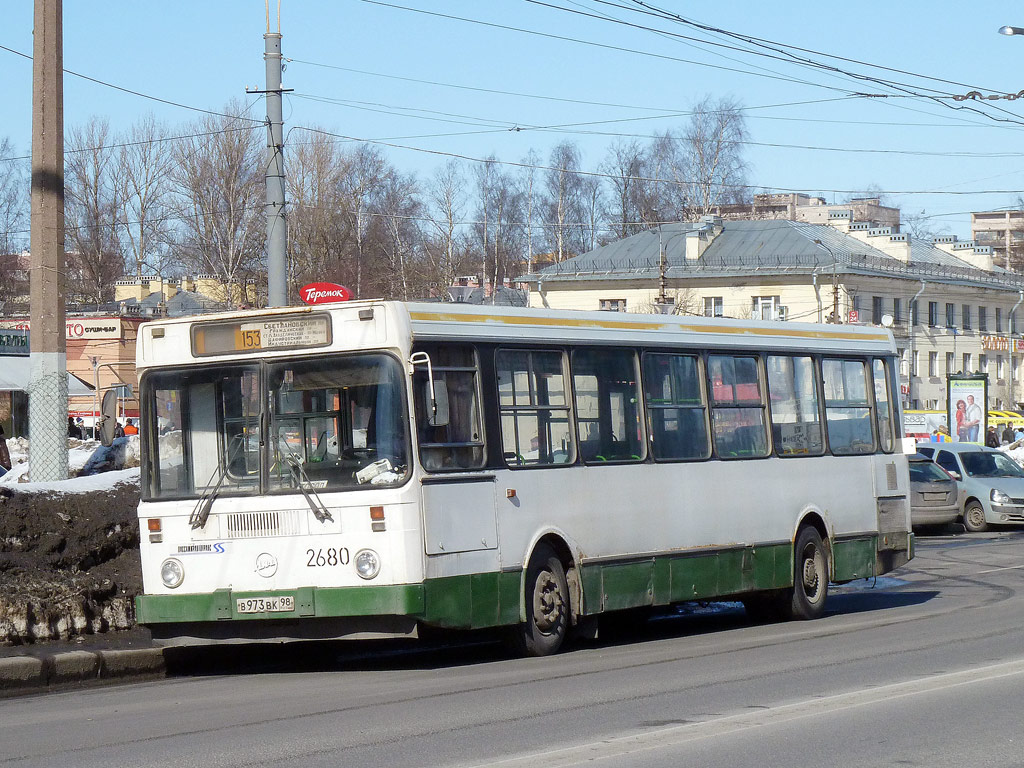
448, 321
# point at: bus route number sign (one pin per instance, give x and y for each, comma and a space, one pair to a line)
259, 335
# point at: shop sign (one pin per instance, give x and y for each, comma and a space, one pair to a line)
13, 342
324, 293
1002, 344
77, 328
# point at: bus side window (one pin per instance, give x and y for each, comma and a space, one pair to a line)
607, 401
459, 444
676, 411
795, 411
737, 415
847, 410
534, 408
883, 405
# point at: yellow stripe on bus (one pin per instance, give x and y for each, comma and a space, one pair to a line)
633, 326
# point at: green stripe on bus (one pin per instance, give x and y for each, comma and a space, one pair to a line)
495, 599
854, 558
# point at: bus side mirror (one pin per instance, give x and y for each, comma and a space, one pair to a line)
437, 403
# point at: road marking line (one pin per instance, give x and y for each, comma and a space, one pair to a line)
676, 735
1007, 568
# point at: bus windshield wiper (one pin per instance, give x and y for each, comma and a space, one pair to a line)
320, 511
201, 512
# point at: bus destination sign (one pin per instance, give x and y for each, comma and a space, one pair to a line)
218, 338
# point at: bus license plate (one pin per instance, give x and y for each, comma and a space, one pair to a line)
264, 604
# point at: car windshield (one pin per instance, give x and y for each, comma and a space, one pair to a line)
985, 464
926, 472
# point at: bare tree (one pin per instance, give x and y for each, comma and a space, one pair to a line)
528, 187
485, 173
591, 204
625, 167
397, 212
144, 191
442, 248
92, 211
219, 181
366, 171
13, 222
713, 149
562, 182
319, 234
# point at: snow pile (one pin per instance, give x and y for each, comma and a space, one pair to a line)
79, 453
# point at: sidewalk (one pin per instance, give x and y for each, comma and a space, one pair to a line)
91, 658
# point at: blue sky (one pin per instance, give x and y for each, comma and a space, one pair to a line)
635, 81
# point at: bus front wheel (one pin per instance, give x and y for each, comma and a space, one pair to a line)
810, 576
547, 605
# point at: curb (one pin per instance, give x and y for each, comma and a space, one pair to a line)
28, 674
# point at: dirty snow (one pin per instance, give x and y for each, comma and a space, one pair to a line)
79, 452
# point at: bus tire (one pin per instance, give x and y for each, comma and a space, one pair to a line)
974, 517
547, 605
810, 576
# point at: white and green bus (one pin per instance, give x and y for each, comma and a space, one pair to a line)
373, 468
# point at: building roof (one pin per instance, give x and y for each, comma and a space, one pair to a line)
767, 247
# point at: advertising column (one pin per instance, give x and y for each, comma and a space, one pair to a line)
967, 406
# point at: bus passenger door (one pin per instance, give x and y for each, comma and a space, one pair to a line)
459, 514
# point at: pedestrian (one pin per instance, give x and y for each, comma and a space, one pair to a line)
130, 428
118, 430
991, 437
5, 456
73, 430
1007, 433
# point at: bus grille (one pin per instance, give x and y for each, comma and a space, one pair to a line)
255, 525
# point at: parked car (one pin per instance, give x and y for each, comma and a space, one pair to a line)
991, 483
934, 495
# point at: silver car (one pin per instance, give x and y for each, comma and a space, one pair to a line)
991, 483
934, 498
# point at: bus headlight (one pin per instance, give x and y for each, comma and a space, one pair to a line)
999, 497
367, 563
172, 573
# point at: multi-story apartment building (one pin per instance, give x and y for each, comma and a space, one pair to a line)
951, 308
1003, 231
796, 206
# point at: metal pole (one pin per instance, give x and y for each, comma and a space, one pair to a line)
277, 227
48, 390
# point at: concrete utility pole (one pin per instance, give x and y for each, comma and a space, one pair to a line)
277, 224
48, 390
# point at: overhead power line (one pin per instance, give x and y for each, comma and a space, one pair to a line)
138, 93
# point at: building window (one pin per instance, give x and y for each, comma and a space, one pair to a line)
612, 305
999, 320
876, 310
1000, 372
933, 364
713, 306
914, 363
983, 363
914, 319
1012, 322
950, 362
1015, 368
933, 313
897, 315
965, 317
983, 319
766, 308
967, 362
950, 316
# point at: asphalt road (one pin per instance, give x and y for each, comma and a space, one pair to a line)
926, 668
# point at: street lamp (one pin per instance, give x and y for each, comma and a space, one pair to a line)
1011, 30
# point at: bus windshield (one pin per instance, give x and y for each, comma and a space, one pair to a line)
332, 423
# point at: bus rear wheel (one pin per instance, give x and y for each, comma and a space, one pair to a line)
810, 576
547, 605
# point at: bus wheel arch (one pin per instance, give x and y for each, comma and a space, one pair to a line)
551, 596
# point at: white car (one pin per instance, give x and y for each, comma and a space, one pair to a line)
991, 483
